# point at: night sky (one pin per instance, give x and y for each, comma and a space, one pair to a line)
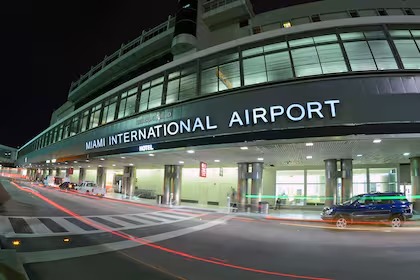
45, 45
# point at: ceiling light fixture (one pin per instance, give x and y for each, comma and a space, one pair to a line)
309, 144
260, 159
406, 154
131, 164
102, 159
217, 160
359, 155
114, 165
181, 162
123, 157
191, 151
244, 148
308, 157
151, 155
377, 141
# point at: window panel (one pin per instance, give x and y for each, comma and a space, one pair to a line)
400, 33
252, 52
121, 110
375, 35
130, 108
254, 70
84, 120
352, 36
301, 42
278, 66
60, 133
209, 80
229, 76
275, 47
331, 57
325, 39
188, 87
94, 117
155, 97
172, 91
360, 56
144, 99
409, 53
306, 62
74, 126
383, 55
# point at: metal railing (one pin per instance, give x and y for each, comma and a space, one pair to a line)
125, 48
211, 5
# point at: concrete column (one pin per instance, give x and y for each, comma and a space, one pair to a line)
50, 172
346, 179
57, 172
128, 180
242, 186
44, 173
101, 177
256, 185
415, 181
82, 175
330, 181
172, 183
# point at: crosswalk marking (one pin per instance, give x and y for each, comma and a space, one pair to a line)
51, 226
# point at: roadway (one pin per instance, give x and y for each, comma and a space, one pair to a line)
116, 239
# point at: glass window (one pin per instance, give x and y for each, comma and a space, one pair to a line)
275, 47
127, 103
352, 36
255, 70
252, 52
155, 99
229, 76
400, 33
409, 53
375, 35
144, 99
290, 187
94, 116
316, 187
85, 118
55, 135
209, 80
360, 56
74, 129
188, 87
382, 179
109, 110
172, 91
66, 129
60, 133
325, 39
301, 42
383, 55
331, 57
279, 67
359, 181
306, 62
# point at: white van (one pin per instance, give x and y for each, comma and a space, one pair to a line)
89, 187
52, 181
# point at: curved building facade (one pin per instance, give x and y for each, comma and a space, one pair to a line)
311, 104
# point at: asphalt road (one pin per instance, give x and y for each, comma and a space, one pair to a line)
190, 244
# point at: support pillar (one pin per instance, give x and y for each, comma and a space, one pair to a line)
172, 183
44, 173
82, 175
242, 186
57, 172
101, 177
415, 182
256, 185
346, 179
128, 180
50, 172
330, 181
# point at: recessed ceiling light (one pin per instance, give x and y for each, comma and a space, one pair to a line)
88, 165
309, 144
181, 162
114, 165
359, 155
260, 159
244, 148
66, 162
87, 160
217, 160
123, 157
406, 154
131, 164
377, 141
75, 161
151, 155
99, 165
80, 167
308, 157
191, 151
102, 159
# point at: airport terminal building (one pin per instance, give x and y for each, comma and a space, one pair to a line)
312, 103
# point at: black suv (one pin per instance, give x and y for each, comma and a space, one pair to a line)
389, 207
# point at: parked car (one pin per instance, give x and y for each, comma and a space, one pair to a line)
89, 187
68, 186
392, 208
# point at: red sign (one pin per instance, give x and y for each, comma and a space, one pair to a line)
70, 171
203, 169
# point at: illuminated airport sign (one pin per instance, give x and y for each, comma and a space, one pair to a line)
294, 112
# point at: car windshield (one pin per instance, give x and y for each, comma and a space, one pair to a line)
352, 200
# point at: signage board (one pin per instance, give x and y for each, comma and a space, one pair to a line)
203, 169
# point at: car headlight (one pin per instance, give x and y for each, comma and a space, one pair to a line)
329, 211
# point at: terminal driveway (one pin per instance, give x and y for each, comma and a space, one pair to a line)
194, 244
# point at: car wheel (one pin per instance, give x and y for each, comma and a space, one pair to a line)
341, 222
397, 221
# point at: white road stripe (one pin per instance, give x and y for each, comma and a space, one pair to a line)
169, 216
61, 254
37, 226
70, 227
137, 218
119, 222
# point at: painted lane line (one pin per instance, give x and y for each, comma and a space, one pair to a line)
61, 254
5, 226
37, 226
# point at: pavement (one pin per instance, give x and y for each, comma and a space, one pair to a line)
67, 236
